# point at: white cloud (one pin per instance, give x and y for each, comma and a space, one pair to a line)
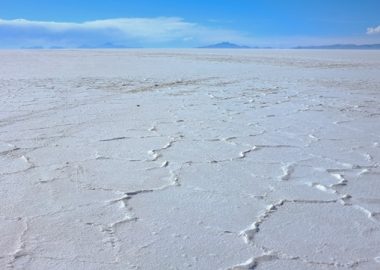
373, 30
128, 31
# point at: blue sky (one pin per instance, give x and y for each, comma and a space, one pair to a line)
169, 23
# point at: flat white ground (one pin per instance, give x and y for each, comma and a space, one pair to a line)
189, 159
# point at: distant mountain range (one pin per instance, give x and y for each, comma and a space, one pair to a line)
343, 47
226, 45
108, 45
229, 45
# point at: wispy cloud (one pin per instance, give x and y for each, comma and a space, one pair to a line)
159, 31
373, 30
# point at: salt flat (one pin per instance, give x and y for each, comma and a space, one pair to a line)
189, 159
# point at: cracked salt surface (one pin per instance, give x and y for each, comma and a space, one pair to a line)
220, 160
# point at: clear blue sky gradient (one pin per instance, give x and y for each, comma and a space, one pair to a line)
255, 18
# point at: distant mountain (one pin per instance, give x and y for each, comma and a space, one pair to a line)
108, 45
343, 47
224, 45
33, 47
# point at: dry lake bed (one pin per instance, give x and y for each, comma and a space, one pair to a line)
189, 159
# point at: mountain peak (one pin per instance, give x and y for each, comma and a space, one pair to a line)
225, 45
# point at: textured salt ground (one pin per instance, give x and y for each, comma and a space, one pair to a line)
146, 159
